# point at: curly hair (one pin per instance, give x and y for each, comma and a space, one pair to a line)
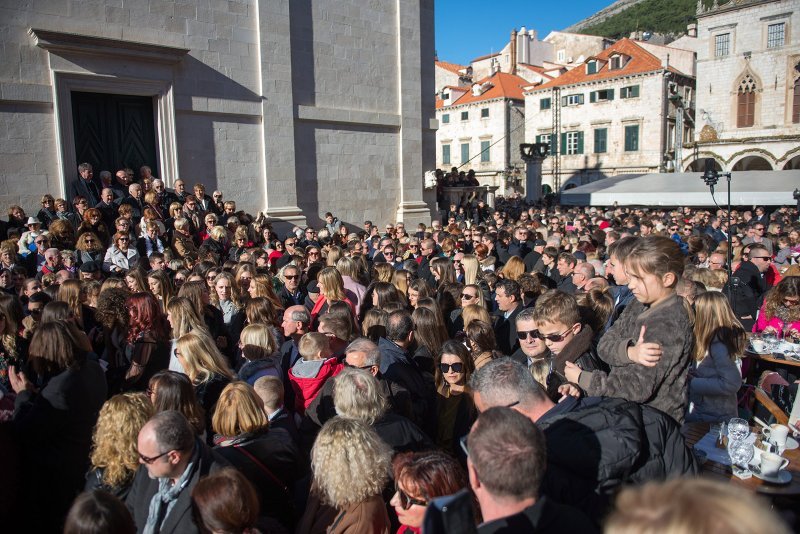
788, 287
350, 462
114, 440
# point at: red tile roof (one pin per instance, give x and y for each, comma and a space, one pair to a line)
504, 85
640, 61
452, 67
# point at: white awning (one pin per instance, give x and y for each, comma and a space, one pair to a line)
770, 188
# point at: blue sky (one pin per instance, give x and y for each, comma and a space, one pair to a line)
466, 29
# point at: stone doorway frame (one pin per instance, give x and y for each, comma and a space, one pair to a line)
65, 81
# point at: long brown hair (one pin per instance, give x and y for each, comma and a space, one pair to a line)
715, 321
773, 301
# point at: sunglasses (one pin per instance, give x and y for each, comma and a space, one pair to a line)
149, 461
407, 502
555, 338
455, 367
522, 335
291, 276
465, 296
358, 367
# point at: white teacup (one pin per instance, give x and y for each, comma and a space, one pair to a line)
777, 434
759, 345
772, 463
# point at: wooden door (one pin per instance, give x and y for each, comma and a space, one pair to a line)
114, 131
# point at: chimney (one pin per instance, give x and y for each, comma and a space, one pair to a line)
691, 30
665, 62
514, 51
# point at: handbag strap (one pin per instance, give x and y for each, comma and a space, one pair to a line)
263, 467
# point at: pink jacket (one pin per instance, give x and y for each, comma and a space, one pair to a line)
774, 322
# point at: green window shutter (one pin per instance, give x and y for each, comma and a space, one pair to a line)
485, 151
580, 98
600, 136
464, 152
580, 143
446, 154
563, 144
593, 97
635, 91
538, 139
611, 94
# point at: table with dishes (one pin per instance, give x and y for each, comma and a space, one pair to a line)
766, 460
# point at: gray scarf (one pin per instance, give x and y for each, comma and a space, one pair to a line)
167, 494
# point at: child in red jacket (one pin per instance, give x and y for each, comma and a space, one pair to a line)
309, 374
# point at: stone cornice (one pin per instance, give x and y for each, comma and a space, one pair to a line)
61, 42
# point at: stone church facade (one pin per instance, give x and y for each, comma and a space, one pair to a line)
293, 107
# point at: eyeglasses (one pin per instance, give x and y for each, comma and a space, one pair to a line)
407, 502
555, 338
455, 367
210, 276
148, 460
291, 276
522, 335
765, 258
346, 364
465, 296
123, 239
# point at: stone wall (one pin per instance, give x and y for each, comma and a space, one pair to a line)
277, 102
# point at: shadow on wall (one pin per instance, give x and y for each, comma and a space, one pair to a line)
199, 132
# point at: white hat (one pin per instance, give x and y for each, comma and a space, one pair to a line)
33, 220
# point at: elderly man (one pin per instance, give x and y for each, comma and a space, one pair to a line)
134, 200
507, 459
594, 444
581, 275
173, 459
292, 293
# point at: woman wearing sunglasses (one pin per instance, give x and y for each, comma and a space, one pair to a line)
419, 478
455, 410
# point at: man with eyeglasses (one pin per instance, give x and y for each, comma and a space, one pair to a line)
531, 347
750, 284
309, 238
292, 293
173, 460
628, 443
34, 261
755, 234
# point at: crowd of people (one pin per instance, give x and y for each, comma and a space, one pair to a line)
169, 363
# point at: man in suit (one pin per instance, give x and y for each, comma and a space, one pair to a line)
173, 462
85, 186
566, 265
508, 296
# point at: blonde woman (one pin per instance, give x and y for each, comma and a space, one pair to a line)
471, 267
182, 319
266, 456
261, 286
383, 272
332, 290
473, 312
206, 368
715, 377
513, 268
350, 466
258, 347
71, 292
400, 281
115, 458
225, 297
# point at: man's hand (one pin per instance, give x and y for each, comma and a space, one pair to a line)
643, 353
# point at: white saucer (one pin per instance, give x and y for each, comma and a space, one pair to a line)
791, 444
783, 477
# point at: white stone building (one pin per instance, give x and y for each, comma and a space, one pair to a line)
293, 107
748, 86
572, 49
481, 127
616, 115
522, 47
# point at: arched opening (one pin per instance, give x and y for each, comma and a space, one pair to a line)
792, 164
752, 163
699, 165
746, 102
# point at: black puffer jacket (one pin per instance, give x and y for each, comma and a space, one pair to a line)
597, 444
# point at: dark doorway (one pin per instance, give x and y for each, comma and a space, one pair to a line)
114, 131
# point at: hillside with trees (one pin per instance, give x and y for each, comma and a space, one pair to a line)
668, 17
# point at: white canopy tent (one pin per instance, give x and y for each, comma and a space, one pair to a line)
748, 188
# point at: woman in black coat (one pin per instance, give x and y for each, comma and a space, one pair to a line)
54, 423
268, 457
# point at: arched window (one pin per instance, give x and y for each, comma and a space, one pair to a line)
746, 102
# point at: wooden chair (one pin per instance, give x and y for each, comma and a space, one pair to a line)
763, 398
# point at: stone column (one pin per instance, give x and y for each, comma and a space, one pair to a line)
533, 178
412, 209
277, 130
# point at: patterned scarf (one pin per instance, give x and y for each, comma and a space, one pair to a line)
167, 494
